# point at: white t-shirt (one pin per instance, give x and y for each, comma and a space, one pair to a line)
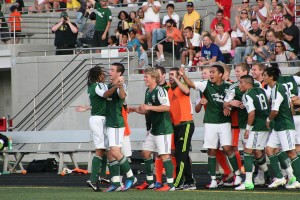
283, 57
263, 11
150, 15
227, 45
246, 23
174, 16
195, 40
130, 4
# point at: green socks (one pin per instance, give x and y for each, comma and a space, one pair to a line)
275, 166
103, 166
149, 170
96, 165
169, 172
248, 162
125, 168
296, 167
283, 159
212, 166
233, 161
114, 169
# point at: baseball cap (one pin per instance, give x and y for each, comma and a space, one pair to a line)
64, 14
190, 4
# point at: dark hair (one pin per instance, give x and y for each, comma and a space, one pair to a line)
13, 8
282, 45
132, 31
220, 11
120, 67
288, 17
161, 68
171, 21
175, 69
249, 79
129, 18
113, 39
274, 72
93, 75
188, 28
125, 13
219, 68
254, 20
170, 5
93, 16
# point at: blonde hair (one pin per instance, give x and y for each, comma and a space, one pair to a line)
152, 72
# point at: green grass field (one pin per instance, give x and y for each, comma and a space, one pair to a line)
82, 193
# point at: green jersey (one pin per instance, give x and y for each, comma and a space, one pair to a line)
290, 83
257, 100
103, 16
160, 121
97, 102
114, 118
281, 103
234, 92
214, 95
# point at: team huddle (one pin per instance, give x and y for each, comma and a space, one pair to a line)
260, 109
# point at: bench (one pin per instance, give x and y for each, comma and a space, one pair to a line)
59, 143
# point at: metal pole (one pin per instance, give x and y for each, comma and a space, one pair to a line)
173, 51
62, 91
34, 113
48, 30
14, 30
128, 62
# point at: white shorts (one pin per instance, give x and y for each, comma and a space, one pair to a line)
115, 136
158, 143
97, 125
297, 127
283, 139
126, 147
215, 134
257, 140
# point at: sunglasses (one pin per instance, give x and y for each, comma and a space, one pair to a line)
244, 13
245, 2
168, 26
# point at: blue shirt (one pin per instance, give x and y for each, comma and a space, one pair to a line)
136, 42
212, 50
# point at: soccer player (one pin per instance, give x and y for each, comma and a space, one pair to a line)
216, 125
256, 135
116, 95
283, 133
257, 71
182, 120
157, 105
96, 90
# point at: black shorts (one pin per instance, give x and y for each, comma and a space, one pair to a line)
97, 41
18, 34
241, 40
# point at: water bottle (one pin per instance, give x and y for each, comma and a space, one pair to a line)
9, 147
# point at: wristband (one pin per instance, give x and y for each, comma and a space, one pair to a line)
268, 120
248, 127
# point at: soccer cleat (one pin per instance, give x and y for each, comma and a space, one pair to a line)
179, 187
228, 180
94, 186
237, 180
104, 180
213, 184
129, 183
158, 185
113, 188
189, 187
277, 182
145, 186
245, 186
165, 188
292, 184
291, 181
259, 181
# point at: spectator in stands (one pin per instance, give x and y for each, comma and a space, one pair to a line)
123, 26
259, 11
89, 29
191, 18
40, 6
151, 10
131, 3
223, 40
291, 33
273, 25
250, 37
139, 26
21, 5
131, 19
159, 34
82, 13
260, 50
112, 41
241, 21
277, 15
103, 21
289, 9
245, 6
271, 12
219, 19
283, 55
134, 42
192, 42
65, 34
123, 43
143, 62
113, 3
4, 31
225, 6
73, 4
172, 33
271, 40
210, 52
15, 24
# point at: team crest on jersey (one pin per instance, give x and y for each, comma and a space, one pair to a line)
153, 98
217, 97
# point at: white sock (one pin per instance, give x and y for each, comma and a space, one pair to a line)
190, 63
284, 173
162, 56
260, 174
289, 172
249, 177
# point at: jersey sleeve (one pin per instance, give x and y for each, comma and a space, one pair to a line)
125, 88
230, 95
100, 89
163, 98
276, 102
268, 92
200, 85
297, 79
248, 103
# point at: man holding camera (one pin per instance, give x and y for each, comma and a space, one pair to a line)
65, 34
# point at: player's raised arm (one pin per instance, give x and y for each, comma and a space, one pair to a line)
186, 79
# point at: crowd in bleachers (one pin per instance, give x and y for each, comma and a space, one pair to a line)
252, 36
